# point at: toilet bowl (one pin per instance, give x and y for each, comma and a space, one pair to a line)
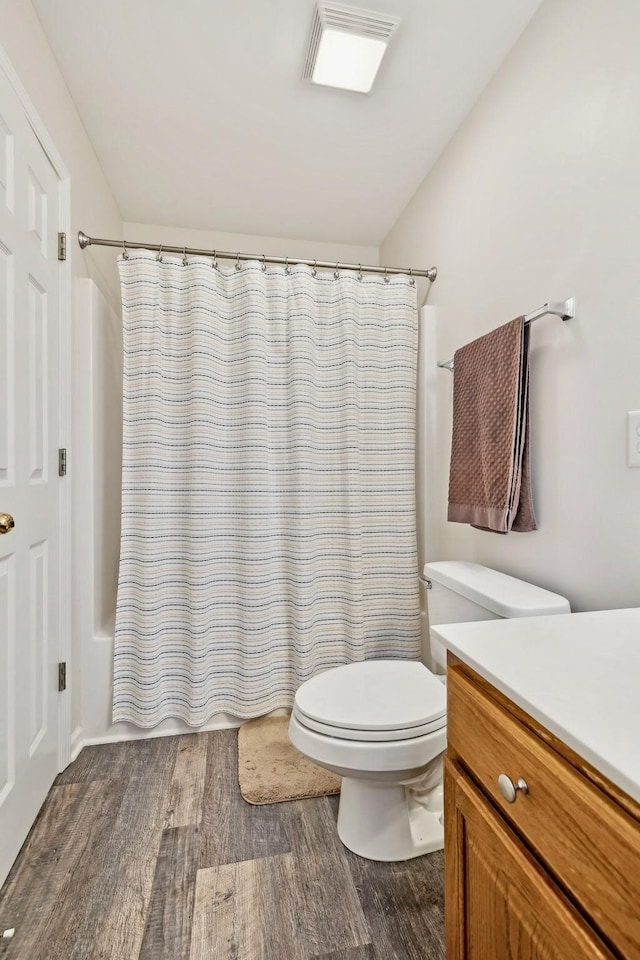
381, 724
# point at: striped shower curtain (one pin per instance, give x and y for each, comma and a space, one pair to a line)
268, 512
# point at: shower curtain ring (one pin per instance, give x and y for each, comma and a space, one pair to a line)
314, 272
287, 268
386, 276
214, 261
264, 263
185, 259
336, 272
159, 255
412, 279
125, 255
238, 262
359, 271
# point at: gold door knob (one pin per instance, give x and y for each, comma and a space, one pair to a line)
7, 522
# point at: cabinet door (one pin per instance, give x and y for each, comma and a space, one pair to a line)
500, 903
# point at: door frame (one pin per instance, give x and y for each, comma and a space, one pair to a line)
65, 374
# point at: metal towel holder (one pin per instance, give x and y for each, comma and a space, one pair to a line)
565, 309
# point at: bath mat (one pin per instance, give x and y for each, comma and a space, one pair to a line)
271, 770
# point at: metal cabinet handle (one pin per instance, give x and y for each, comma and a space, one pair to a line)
509, 789
7, 523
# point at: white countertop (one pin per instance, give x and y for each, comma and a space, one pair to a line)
577, 674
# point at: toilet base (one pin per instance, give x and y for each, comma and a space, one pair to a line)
382, 821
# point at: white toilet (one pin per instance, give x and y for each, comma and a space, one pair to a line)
381, 724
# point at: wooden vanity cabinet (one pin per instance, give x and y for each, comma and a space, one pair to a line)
553, 872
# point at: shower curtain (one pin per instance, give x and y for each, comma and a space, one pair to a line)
268, 514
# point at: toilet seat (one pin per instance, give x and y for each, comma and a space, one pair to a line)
396, 759
370, 736
374, 700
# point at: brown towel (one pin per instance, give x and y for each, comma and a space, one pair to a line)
489, 479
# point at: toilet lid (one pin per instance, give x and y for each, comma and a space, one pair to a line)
373, 695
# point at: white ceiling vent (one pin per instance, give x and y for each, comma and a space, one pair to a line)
346, 46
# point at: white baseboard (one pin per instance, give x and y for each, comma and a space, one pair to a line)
175, 729
77, 743
169, 730
165, 732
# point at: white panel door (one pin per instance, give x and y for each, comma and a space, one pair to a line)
29, 484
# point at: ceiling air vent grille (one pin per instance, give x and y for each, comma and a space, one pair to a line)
337, 16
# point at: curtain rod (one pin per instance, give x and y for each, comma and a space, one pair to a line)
566, 310
86, 241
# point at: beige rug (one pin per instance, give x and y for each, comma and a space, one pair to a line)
271, 770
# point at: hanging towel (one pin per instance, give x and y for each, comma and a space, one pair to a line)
489, 479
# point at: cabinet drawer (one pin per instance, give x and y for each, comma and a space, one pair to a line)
586, 840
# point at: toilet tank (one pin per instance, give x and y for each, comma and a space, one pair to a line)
462, 592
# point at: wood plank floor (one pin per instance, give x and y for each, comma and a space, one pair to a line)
146, 851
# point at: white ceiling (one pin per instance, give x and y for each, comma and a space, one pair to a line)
200, 118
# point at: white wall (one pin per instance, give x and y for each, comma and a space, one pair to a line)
92, 204
537, 198
97, 500
245, 243
93, 207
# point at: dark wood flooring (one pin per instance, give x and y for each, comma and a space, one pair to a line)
146, 851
